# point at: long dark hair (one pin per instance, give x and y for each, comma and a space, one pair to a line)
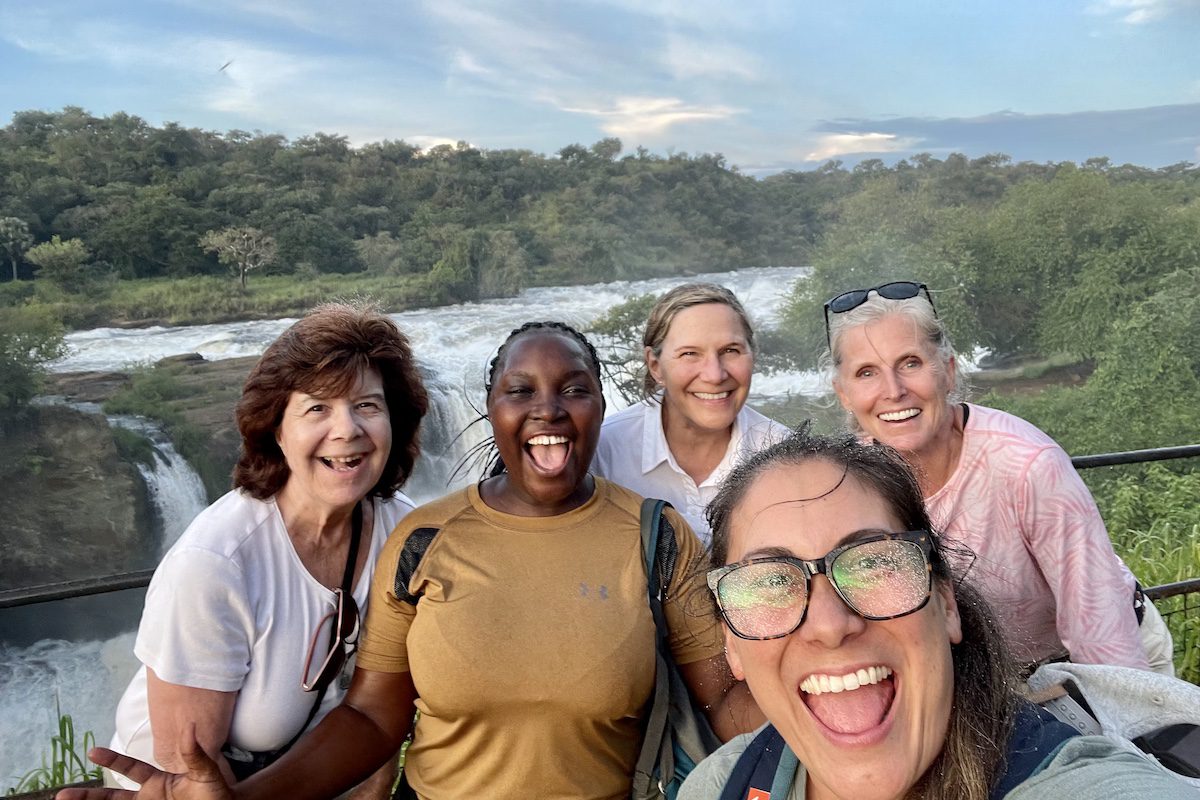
985, 701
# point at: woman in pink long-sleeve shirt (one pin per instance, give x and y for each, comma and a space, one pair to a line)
992, 481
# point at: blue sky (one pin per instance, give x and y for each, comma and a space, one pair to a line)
770, 85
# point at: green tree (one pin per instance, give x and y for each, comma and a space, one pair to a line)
619, 334
29, 339
503, 265
61, 262
455, 276
15, 239
242, 249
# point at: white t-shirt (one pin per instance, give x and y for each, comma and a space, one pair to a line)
633, 452
232, 608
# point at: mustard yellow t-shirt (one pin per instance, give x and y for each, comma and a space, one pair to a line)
532, 645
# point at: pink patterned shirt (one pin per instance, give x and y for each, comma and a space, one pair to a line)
1043, 557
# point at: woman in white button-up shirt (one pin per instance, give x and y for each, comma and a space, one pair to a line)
684, 437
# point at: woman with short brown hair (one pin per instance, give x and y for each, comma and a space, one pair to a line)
243, 637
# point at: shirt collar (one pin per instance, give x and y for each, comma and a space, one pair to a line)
655, 449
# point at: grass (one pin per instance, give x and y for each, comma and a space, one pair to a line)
207, 299
1153, 518
64, 764
1169, 553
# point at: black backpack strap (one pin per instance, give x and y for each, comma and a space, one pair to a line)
659, 549
1177, 747
410, 558
1037, 735
754, 773
656, 748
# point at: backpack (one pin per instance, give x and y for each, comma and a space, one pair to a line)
767, 766
677, 734
1153, 715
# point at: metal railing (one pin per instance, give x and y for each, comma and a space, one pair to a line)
141, 578
1178, 603
1136, 456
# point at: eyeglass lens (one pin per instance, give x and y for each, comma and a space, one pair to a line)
877, 580
897, 290
344, 643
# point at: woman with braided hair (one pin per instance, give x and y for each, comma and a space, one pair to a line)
512, 614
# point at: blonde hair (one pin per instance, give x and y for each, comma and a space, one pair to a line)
658, 324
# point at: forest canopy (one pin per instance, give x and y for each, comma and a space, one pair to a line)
472, 223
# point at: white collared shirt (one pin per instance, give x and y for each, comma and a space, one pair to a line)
633, 452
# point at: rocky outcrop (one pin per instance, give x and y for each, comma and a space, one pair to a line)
71, 506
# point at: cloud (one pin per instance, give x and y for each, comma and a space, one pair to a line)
718, 16
839, 144
642, 118
1154, 136
427, 143
687, 57
1139, 12
466, 63
521, 47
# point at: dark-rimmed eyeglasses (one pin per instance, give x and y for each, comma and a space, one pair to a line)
881, 576
896, 290
341, 644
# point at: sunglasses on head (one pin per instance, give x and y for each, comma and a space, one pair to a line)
881, 576
342, 642
896, 290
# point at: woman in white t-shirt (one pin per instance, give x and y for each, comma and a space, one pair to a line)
252, 615
683, 438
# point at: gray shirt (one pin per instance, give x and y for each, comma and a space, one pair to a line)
1084, 768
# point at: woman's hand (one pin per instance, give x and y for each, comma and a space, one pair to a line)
202, 781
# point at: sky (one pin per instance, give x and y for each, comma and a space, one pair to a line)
769, 84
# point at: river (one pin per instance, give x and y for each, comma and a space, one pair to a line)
454, 345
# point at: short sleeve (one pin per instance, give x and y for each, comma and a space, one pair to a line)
197, 628
384, 647
691, 616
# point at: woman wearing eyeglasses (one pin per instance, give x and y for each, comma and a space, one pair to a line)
993, 482
882, 675
250, 615
681, 441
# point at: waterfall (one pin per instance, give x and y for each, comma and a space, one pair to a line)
453, 344
86, 677
175, 488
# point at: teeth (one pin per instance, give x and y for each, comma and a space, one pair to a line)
823, 684
897, 416
341, 459
711, 395
548, 440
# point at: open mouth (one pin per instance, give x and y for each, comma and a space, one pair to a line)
342, 463
711, 395
850, 703
548, 453
900, 416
